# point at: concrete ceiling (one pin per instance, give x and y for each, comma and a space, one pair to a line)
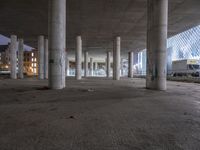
98, 21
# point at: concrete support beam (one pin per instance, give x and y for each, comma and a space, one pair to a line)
106, 63
41, 57
130, 64
46, 58
108, 67
57, 43
86, 64
13, 57
121, 67
157, 25
78, 58
116, 58
21, 59
66, 65
135, 61
91, 66
96, 66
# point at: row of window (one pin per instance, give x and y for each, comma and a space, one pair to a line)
34, 65
28, 54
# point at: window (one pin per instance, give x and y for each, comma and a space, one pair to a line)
34, 70
194, 67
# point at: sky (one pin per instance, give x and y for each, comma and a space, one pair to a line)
5, 40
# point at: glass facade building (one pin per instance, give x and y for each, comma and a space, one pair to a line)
185, 45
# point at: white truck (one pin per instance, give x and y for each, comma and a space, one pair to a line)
188, 67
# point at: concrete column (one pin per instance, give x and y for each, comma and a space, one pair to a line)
96, 65
86, 64
130, 64
66, 65
116, 58
157, 24
21, 59
41, 57
46, 59
95, 68
91, 66
57, 43
169, 60
135, 59
78, 57
13, 57
108, 64
121, 67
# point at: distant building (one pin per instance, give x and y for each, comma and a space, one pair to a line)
4, 57
30, 60
34, 62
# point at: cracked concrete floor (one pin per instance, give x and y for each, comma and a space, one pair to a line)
99, 114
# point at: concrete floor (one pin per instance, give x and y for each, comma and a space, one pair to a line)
99, 114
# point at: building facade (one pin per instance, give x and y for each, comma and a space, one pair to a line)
30, 61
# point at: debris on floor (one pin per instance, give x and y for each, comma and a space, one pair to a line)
72, 117
43, 88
